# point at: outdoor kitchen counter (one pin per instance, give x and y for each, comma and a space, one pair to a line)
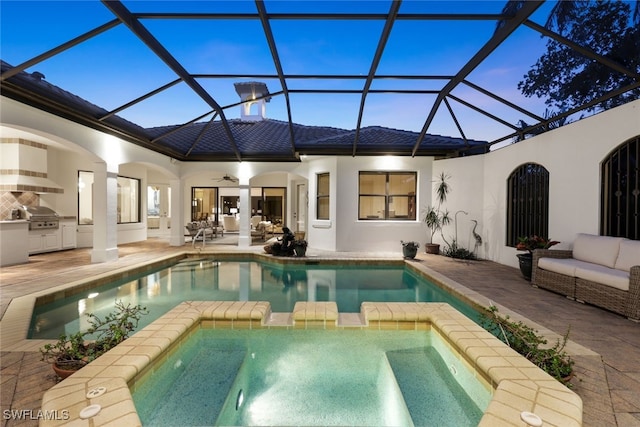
14, 242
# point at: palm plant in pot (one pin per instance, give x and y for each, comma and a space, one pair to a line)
72, 352
434, 216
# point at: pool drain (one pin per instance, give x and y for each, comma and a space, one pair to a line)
531, 419
98, 391
90, 411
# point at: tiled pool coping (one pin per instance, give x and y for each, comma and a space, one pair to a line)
518, 384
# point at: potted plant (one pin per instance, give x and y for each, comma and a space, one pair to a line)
409, 249
525, 340
434, 216
71, 352
300, 247
530, 244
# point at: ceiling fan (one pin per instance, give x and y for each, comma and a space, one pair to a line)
228, 178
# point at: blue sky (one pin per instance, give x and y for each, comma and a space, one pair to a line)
116, 67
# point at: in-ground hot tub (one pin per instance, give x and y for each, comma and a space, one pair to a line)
311, 377
520, 389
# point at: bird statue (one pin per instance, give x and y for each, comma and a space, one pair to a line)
476, 235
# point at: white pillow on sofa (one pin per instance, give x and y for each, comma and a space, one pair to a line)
629, 255
601, 250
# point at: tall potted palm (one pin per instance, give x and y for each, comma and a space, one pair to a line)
434, 216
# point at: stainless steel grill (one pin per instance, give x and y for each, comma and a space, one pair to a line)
41, 217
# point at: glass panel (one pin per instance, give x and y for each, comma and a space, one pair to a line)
204, 203
153, 201
371, 207
373, 183
323, 184
404, 183
274, 204
323, 208
128, 200
85, 198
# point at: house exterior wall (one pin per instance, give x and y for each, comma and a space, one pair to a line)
377, 236
572, 154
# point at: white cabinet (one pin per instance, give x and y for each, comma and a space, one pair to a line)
44, 241
69, 239
13, 242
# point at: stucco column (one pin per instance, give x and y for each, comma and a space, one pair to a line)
177, 213
105, 212
244, 239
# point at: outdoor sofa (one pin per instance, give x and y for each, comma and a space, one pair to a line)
599, 270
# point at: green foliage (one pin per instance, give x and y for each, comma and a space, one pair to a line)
434, 216
569, 79
526, 341
454, 251
74, 351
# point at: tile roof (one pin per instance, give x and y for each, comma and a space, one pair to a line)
256, 140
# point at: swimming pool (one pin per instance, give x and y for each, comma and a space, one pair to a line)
242, 280
311, 377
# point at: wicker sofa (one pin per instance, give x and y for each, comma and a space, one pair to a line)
599, 270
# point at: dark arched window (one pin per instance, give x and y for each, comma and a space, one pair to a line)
527, 203
620, 191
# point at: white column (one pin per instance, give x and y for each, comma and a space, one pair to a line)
177, 213
244, 238
105, 213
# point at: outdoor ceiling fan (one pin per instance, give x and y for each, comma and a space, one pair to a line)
228, 178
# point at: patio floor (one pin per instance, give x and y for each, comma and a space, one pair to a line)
606, 346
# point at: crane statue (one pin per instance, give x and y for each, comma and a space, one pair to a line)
476, 235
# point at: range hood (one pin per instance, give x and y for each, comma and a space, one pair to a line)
22, 183
23, 167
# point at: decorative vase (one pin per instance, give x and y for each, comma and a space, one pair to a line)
409, 251
432, 248
300, 250
525, 261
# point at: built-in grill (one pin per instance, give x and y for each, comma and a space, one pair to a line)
41, 217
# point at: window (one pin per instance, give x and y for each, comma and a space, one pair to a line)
128, 199
620, 192
85, 197
527, 203
274, 207
322, 196
204, 204
387, 196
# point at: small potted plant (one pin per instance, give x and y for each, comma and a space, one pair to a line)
434, 216
409, 249
72, 352
300, 247
530, 244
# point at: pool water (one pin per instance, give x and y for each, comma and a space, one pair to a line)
311, 377
217, 280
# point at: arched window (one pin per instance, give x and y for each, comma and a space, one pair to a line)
620, 191
527, 202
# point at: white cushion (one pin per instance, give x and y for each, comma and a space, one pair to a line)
607, 276
601, 250
566, 266
629, 255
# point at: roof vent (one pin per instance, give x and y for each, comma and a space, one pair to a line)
37, 75
253, 93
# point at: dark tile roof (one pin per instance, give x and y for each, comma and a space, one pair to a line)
255, 140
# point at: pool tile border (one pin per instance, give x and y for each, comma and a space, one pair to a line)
517, 384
